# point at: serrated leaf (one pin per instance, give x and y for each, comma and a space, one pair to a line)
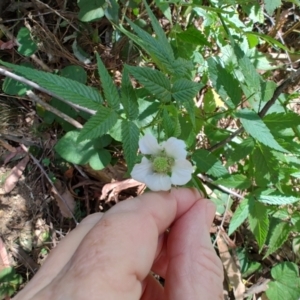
254, 125
278, 236
193, 36
282, 120
158, 30
99, 124
66, 88
154, 81
159, 52
287, 282
128, 97
184, 89
265, 166
252, 81
239, 216
258, 221
278, 199
234, 181
271, 5
110, 91
240, 151
224, 83
206, 162
168, 125
130, 139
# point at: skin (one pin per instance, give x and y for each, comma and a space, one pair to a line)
109, 256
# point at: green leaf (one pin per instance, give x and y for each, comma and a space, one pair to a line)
277, 199
112, 11
239, 151
252, 80
154, 81
184, 89
287, 282
81, 153
277, 121
76, 73
170, 121
90, 10
165, 8
239, 216
247, 266
66, 88
110, 91
234, 181
14, 88
128, 97
265, 166
278, 236
254, 125
224, 83
258, 221
193, 36
206, 162
99, 124
130, 139
271, 5
115, 132
159, 30
100, 159
160, 52
27, 46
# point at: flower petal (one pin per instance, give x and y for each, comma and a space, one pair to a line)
181, 172
158, 182
149, 145
175, 148
140, 171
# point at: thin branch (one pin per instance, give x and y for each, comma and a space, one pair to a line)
50, 181
221, 187
293, 78
38, 87
65, 117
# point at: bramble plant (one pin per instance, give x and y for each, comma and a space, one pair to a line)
258, 158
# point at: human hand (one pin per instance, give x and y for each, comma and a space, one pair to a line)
110, 255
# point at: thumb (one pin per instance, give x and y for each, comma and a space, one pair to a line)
194, 270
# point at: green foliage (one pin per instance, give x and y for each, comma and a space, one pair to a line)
27, 46
91, 10
110, 91
9, 282
99, 124
258, 129
83, 152
286, 282
192, 82
130, 138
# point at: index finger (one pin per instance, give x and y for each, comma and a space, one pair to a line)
117, 254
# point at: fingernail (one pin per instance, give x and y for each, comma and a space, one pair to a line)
210, 213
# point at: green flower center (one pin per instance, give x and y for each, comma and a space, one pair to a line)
162, 164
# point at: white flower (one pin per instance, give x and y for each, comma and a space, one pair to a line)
166, 164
